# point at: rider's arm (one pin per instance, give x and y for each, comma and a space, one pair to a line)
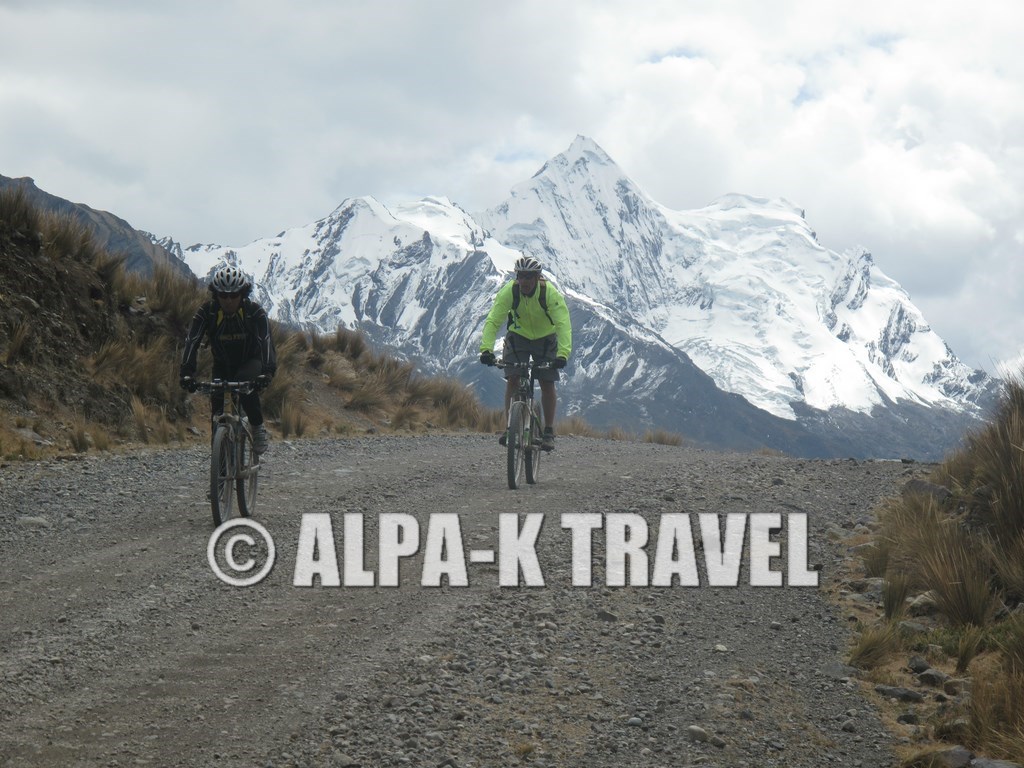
268, 354
497, 316
192, 341
563, 326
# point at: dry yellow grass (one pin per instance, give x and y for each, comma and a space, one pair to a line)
969, 552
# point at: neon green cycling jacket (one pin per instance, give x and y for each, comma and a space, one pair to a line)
529, 320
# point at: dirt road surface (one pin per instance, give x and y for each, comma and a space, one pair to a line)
119, 646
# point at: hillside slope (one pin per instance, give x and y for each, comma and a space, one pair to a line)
89, 355
109, 232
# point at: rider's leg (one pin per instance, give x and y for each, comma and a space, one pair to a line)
548, 401
511, 353
216, 399
511, 385
248, 371
547, 379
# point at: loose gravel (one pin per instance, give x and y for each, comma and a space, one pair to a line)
119, 646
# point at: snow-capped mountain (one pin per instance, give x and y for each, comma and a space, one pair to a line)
730, 324
742, 287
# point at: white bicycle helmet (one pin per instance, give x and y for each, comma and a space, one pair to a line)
528, 264
230, 279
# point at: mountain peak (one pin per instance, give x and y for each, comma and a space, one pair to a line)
583, 157
590, 225
584, 145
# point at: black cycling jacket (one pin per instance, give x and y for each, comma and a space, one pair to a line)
233, 340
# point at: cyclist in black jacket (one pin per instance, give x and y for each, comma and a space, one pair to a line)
240, 340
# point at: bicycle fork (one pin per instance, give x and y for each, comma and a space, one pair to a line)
534, 436
531, 436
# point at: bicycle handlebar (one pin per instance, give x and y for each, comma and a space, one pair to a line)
218, 385
536, 366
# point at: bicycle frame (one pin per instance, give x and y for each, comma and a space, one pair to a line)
525, 426
234, 465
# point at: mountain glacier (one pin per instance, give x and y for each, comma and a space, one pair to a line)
731, 323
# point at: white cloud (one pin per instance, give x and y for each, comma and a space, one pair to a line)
896, 126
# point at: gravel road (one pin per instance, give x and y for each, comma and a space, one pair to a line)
119, 646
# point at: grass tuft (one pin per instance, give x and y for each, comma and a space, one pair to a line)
293, 421
874, 647
663, 437
18, 346
895, 591
140, 419
576, 426
996, 714
368, 395
971, 641
618, 433
405, 417
959, 577
19, 218
79, 436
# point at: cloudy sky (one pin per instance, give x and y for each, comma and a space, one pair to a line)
897, 126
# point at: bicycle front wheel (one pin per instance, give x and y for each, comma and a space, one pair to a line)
247, 474
516, 449
533, 450
221, 486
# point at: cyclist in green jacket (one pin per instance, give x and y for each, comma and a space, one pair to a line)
538, 327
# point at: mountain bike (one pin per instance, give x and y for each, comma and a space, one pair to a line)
525, 429
234, 464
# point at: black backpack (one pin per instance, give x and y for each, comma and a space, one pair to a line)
542, 298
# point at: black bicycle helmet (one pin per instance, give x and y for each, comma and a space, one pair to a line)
528, 264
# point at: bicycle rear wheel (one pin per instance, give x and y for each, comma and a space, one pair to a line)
248, 474
516, 449
533, 450
220, 476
